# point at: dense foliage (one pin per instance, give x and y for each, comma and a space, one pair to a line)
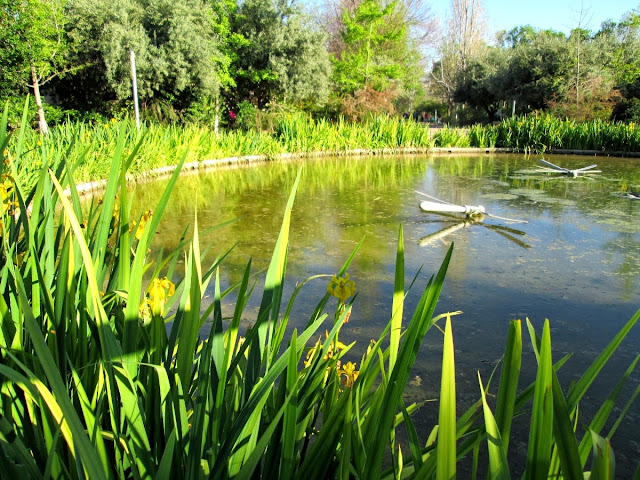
282, 57
211, 60
159, 144
107, 372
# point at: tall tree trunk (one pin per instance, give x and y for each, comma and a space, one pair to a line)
42, 122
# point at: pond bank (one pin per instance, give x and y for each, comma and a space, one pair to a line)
88, 188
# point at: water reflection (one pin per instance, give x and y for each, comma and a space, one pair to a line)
579, 234
576, 261
458, 223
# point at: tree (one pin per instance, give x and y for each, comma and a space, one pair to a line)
370, 41
482, 83
223, 12
466, 25
415, 15
624, 39
589, 86
283, 56
177, 54
378, 60
13, 51
463, 41
539, 66
33, 44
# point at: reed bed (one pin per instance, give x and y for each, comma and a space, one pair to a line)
89, 147
105, 376
543, 132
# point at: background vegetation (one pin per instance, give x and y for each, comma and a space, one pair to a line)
106, 371
218, 61
105, 376
88, 147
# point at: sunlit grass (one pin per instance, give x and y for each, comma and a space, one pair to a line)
89, 147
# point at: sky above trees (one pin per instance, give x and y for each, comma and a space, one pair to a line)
560, 15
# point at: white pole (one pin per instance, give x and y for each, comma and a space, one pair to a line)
513, 110
134, 84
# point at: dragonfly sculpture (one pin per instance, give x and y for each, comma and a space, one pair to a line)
473, 215
553, 168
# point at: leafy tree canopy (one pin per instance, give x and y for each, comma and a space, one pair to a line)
283, 57
173, 40
375, 46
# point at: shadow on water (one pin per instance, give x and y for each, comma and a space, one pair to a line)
576, 261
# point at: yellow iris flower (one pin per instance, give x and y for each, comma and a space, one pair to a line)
143, 222
155, 299
318, 346
7, 194
348, 374
341, 287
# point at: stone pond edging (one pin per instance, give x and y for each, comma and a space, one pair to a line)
88, 188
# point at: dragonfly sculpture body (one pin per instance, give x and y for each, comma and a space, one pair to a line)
473, 215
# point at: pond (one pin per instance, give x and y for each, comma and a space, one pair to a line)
576, 261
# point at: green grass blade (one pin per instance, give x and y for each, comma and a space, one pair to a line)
564, 434
56, 399
398, 303
111, 351
257, 397
315, 466
541, 430
381, 420
137, 268
601, 417
190, 322
270, 304
166, 461
14, 455
248, 470
109, 345
578, 389
104, 221
603, 464
498, 466
290, 414
446, 447
92, 425
508, 388
414, 444
624, 411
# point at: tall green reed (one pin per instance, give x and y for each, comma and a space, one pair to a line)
451, 137
542, 132
482, 136
106, 377
95, 382
89, 147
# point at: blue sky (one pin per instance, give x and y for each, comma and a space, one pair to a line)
561, 15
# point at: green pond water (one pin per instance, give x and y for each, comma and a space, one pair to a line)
576, 261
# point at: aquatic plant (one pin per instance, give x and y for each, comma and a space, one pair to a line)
451, 137
89, 147
482, 136
106, 375
542, 132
